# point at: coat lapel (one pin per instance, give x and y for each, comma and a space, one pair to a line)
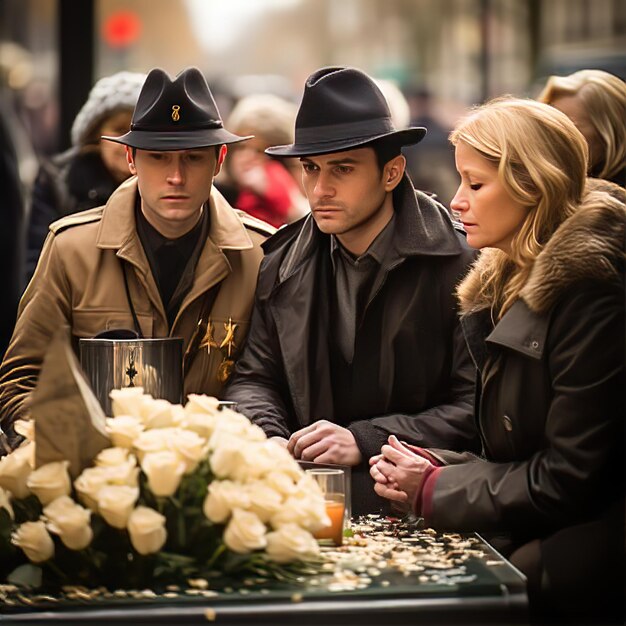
118, 232
299, 306
522, 330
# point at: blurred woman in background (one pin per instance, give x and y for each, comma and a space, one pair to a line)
596, 102
86, 175
266, 188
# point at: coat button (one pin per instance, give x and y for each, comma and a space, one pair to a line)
534, 345
507, 423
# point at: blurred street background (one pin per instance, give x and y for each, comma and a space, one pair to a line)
444, 55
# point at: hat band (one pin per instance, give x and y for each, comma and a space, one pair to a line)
349, 130
171, 127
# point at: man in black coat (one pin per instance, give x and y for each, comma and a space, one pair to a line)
355, 334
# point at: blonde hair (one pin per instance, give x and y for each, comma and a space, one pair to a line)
541, 158
604, 97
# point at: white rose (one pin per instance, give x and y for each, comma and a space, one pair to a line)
290, 542
70, 522
264, 501
50, 481
123, 474
116, 503
34, 540
309, 513
158, 414
147, 531
201, 404
15, 469
262, 457
308, 487
124, 430
201, 423
89, 483
284, 462
255, 433
164, 471
238, 424
281, 482
5, 502
26, 428
228, 459
111, 456
223, 496
190, 447
245, 532
155, 440
178, 414
127, 401
240, 460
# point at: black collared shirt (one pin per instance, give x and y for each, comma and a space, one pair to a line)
355, 284
172, 261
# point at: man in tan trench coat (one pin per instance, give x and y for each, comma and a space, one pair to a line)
166, 256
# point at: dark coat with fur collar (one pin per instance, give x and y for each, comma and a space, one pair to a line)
550, 402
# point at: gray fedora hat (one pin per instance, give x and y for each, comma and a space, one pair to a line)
178, 114
342, 108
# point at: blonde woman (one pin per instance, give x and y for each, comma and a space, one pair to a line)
596, 102
543, 317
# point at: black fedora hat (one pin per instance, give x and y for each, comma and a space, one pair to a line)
178, 114
342, 108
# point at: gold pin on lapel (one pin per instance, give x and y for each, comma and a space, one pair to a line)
229, 338
208, 341
176, 112
227, 365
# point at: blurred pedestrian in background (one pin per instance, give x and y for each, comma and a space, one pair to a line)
254, 182
543, 317
84, 176
431, 166
11, 235
596, 102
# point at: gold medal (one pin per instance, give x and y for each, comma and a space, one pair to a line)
225, 370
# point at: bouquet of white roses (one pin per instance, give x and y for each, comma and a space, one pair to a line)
183, 492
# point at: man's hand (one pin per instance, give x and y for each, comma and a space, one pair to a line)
325, 442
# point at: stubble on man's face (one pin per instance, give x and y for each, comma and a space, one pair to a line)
346, 194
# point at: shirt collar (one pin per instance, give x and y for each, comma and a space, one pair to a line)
377, 250
154, 240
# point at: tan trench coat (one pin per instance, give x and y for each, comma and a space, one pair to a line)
79, 282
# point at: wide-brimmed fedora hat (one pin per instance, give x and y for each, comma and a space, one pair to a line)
342, 108
178, 114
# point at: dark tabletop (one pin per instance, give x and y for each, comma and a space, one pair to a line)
388, 572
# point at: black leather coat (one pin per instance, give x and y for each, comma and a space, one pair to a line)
418, 378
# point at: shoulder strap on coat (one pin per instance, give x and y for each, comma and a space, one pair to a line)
252, 223
76, 219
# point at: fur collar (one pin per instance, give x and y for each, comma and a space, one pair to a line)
587, 246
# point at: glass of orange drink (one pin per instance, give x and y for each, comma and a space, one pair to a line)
332, 483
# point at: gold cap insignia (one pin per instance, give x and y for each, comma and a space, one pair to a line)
175, 112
